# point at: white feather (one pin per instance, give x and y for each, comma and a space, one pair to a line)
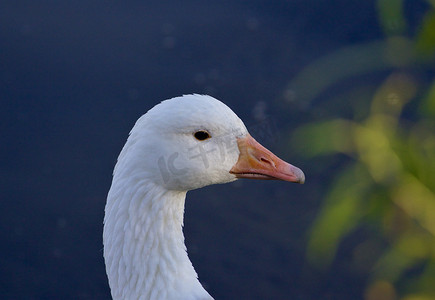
144, 248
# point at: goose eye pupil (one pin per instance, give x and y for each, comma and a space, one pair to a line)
201, 135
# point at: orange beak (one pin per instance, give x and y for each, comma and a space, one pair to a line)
256, 162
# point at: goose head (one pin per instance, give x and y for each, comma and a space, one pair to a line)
188, 142
180, 144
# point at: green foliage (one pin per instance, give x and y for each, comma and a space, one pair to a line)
388, 185
391, 16
425, 42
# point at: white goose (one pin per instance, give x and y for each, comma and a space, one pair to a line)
181, 144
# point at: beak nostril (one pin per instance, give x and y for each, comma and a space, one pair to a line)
257, 162
266, 161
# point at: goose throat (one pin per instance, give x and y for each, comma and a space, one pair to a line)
144, 249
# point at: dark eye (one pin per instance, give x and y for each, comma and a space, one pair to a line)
201, 135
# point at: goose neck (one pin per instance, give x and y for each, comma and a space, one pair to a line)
144, 246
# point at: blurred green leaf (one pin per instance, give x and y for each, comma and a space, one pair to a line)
425, 40
343, 209
410, 249
323, 138
419, 297
347, 62
391, 16
428, 105
417, 201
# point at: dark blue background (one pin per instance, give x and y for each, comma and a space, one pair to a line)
74, 77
